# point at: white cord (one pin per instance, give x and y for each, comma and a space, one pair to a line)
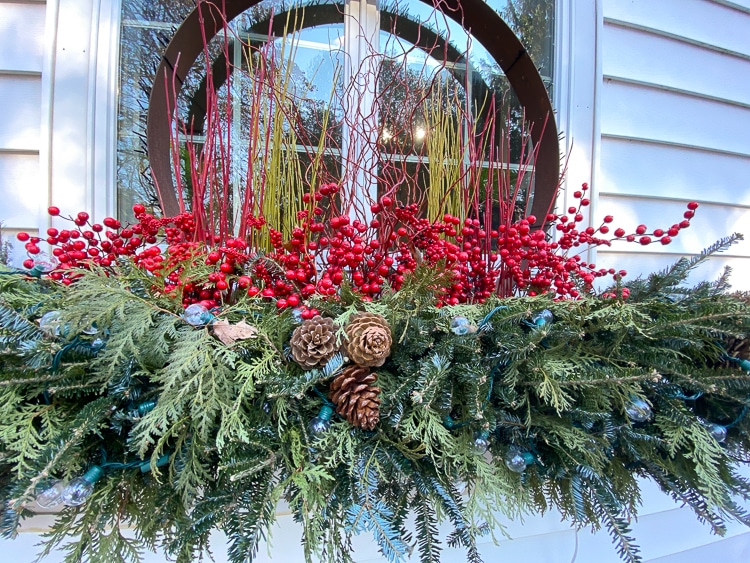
575, 551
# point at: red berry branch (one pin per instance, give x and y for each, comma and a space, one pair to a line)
328, 248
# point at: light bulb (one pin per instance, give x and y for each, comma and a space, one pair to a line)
80, 488
482, 442
50, 323
50, 496
543, 318
197, 315
638, 410
717, 431
518, 460
321, 423
460, 325
43, 264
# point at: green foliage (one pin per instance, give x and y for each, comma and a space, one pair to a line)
225, 437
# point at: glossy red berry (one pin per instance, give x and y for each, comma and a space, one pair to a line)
693, 205
22, 236
640, 229
139, 208
54, 211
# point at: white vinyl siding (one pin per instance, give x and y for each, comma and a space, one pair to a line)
675, 126
22, 27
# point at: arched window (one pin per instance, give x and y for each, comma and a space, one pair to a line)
392, 63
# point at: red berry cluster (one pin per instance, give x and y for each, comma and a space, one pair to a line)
329, 248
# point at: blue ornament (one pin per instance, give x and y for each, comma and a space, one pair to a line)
197, 315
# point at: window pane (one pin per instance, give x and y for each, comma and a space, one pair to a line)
430, 74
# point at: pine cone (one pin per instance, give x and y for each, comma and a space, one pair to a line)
368, 339
314, 342
355, 396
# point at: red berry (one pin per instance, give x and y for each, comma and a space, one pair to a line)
684, 224
83, 216
386, 201
693, 205
139, 208
282, 304
22, 236
658, 232
645, 240
221, 285
292, 300
608, 218
620, 233
54, 211
640, 229
28, 263
604, 229
244, 281
666, 240
253, 291
688, 214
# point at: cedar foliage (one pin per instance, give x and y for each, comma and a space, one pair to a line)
233, 420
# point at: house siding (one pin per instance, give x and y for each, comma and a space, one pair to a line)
22, 29
675, 127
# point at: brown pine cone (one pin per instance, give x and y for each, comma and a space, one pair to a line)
355, 396
368, 339
314, 342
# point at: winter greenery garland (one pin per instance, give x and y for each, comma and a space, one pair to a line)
181, 425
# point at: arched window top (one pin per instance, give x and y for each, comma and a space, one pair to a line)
487, 31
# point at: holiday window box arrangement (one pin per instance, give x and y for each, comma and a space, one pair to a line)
383, 363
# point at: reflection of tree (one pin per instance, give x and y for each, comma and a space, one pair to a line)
532, 21
140, 49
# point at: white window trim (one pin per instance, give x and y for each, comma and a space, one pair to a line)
86, 183
577, 97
